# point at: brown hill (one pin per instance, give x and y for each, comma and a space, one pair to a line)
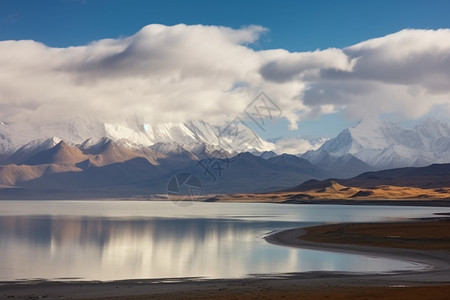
11, 175
431, 182
433, 176
63, 158
60, 154
106, 152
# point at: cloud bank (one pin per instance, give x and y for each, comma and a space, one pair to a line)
179, 73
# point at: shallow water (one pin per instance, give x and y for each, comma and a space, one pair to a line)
112, 240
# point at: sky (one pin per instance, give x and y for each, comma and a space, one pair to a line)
326, 64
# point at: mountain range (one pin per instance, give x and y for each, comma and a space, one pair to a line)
385, 145
86, 158
233, 136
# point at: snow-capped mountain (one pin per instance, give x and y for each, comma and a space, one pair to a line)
435, 135
132, 158
15, 135
233, 137
31, 148
371, 144
388, 145
6, 144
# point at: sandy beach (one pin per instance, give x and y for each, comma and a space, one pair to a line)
433, 282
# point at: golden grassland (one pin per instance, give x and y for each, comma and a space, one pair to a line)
336, 191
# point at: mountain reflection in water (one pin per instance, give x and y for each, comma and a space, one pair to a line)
108, 248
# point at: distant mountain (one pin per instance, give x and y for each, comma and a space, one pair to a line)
13, 176
39, 159
234, 137
15, 135
32, 148
132, 158
6, 144
97, 168
382, 145
106, 151
433, 176
265, 154
288, 162
103, 177
430, 177
59, 154
248, 173
344, 166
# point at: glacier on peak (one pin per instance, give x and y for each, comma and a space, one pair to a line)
233, 137
372, 142
87, 131
31, 148
388, 145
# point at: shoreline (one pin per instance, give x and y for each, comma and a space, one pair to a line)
438, 262
233, 199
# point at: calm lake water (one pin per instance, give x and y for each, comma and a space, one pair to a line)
112, 240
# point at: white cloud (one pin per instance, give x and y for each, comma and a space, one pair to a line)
160, 74
297, 144
177, 73
406, 73
301, 65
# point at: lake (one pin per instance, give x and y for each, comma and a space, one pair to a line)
113, 240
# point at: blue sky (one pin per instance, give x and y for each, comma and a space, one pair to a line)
293, 25
296, 26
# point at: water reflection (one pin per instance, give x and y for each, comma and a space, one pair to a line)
108, 248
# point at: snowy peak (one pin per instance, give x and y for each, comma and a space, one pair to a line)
33, 147
388, 145
134, 132
6, 143
93, 152
436, 125
371, 133
339, 145
181, 133
369, 122
234, 137
433, 129
95, 146
168, 148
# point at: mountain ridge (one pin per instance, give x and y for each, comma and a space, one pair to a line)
432, 176
106, 163
383, 145
232, 136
